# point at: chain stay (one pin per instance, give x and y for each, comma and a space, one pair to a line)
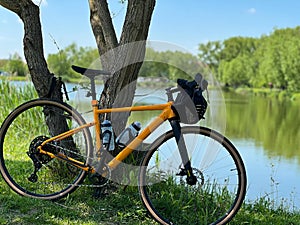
78, 154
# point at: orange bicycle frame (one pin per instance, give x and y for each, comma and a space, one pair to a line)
167, 113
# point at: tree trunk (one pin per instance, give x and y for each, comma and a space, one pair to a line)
123, 58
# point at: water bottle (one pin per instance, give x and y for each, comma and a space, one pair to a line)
107, 135
128, 134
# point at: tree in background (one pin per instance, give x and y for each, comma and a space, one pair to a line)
209, 53
15, 66
166, 64
170, 64
257, 62
60, 63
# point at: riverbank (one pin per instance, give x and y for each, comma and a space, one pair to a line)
142, 81
267, 92
14, 78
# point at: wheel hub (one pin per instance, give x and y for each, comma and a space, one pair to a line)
196, 177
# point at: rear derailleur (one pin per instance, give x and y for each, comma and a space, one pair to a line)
38, 158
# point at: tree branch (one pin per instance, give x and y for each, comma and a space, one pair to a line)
137, 21
11, 5
103, 29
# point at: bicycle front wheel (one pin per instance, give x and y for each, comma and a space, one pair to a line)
221, 179
30, 173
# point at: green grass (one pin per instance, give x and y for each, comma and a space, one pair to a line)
12, 96
115, 206
121, 207
118, 207
296, 98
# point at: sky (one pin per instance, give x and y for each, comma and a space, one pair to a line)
181, 23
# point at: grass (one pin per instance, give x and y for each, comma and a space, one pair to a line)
79, 208
296, 98
118, 207
115, 206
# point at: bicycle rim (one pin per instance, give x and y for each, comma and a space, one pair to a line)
23, 130
221, 179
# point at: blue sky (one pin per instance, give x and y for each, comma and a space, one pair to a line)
182, 23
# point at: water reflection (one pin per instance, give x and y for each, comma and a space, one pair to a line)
272, 124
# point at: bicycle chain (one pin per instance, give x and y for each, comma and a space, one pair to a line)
80, 155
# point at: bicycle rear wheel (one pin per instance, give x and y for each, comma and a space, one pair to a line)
221, 179
33, 174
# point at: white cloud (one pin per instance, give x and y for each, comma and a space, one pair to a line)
251, 11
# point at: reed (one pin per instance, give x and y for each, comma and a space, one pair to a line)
12, 96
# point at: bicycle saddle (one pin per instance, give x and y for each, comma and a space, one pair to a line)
91, 73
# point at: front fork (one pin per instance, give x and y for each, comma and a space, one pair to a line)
188, 170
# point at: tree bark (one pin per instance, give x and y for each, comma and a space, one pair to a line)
123, 58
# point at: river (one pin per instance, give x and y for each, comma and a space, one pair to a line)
265, 131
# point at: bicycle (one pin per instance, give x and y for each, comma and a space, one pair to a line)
189, 175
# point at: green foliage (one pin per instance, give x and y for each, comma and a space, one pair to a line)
15, 66
270, 122
169, 64
296, 98
3, 62
209, 53
234, 72
60, 63
257, 62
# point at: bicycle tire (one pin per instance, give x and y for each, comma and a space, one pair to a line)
220, 171
23, 130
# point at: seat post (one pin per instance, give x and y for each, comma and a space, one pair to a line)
93, 88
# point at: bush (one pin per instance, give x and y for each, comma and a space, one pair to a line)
296, 98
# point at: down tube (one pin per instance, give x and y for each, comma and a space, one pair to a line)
140, 138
